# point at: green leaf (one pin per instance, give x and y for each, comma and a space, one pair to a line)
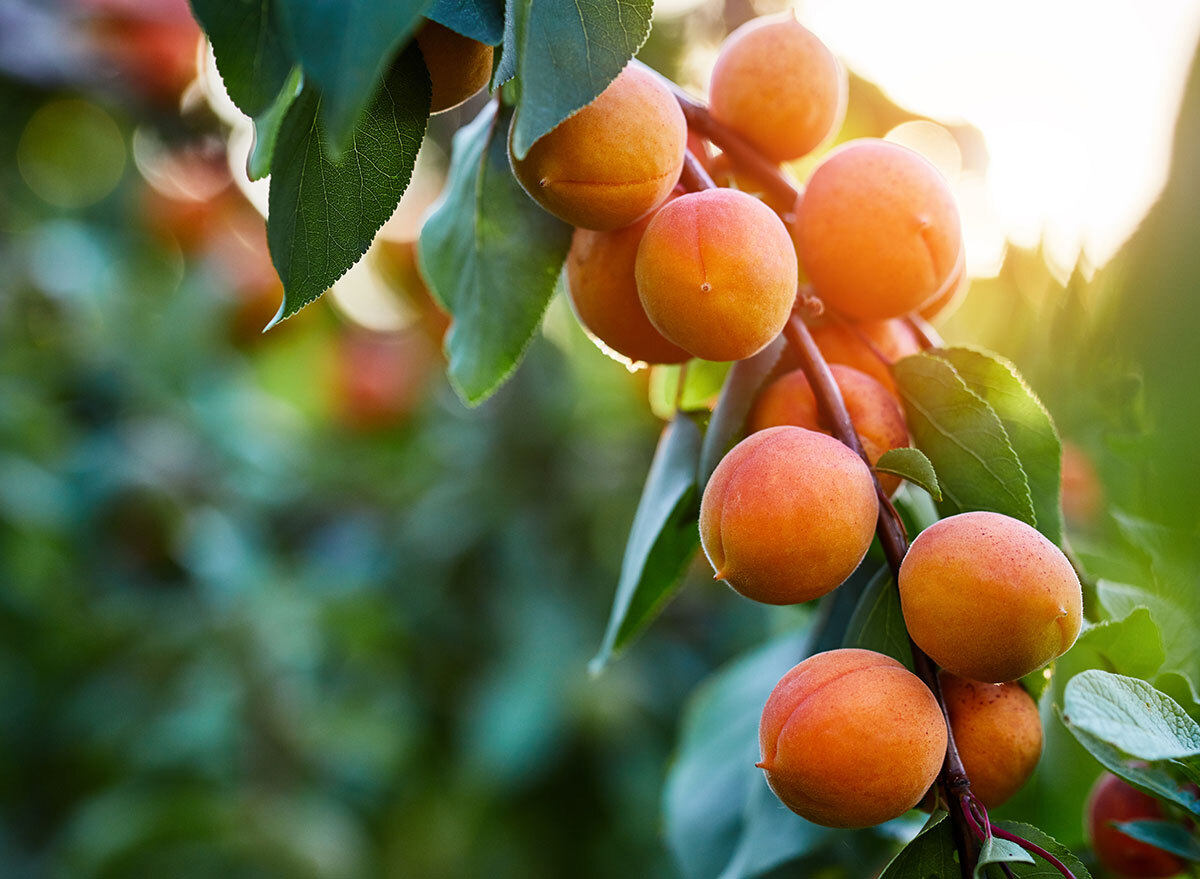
323, 214
977, 467
702, 382
267, 125
252, 55
1153, 780
1041, 868
481, 20
1175, 615
1131, 715
1165, 835
492, 257
742, 385
910, 464
878, 623
565, 54
661, 542
345, 48
999, 851
930, 854
1030, 429
714, 796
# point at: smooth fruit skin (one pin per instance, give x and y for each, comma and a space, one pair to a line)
458, 66
988, 597
716, 274
876, 415
1112, 800
851, 738
612, 162
998, 733
868, 347
603, 291
787, 515
778, 86
877, 230
951, 294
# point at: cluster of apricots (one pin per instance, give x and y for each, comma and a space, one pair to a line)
849, 738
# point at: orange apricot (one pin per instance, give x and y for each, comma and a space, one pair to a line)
877, 230
604, 293
778, 86
612, 162
787, 515
988, 597
998, 733
1112, 800
458, 66
868, 347
952, 293
851, 738
875, 413
716, 274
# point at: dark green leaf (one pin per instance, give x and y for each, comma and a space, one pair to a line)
1165, 835
345, 48
266, 128
999, 851
662, 540
701, 384
910, 464
565, 54
977, 467
878, 623
252, 55
491, 257
1028, 425
481, 20
324, 214
1131, 715
742, 384
1041, 868
931, 854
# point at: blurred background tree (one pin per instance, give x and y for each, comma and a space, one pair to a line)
278, 605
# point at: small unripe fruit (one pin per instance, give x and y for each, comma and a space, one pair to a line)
458, 66
874, 411
998, 733
868, 347
778, 86
988, 597
612, 162
877, 230
1112, 800
603, 290
717, 274
787, 515
851, 738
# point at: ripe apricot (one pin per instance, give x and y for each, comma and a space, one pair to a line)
877, 230
868, 347
458, 66
988, 597
851, 738
612, 162
953, 290
876, 415
778, 86
998, 733
717, 274
787, 515
603, 290
1112, 800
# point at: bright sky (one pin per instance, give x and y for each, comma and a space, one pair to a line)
1076, 99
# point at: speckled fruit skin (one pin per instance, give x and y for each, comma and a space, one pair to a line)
1112, 800
998, 733
612, 162
988, 597
787, 515
717, 274
856, 345
851, 738
876, 415
778, 86
877, 230
458, 66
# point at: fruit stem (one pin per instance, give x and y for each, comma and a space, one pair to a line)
926, 334
694, 177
